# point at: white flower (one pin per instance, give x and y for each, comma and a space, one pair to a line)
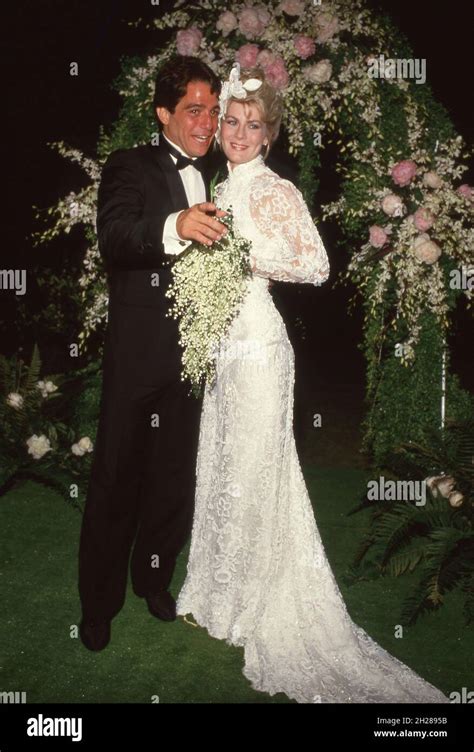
425, 249
325, 27
15, 400
46, 387
456, 499
319, 73
393, 205
226, 23
86, 444
432, 180
74, 209
38, 446
432, 483
83, 446
446, 485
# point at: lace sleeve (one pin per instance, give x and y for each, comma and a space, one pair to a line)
295, 251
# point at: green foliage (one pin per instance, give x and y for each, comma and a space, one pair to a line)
435, 540
27, 411
85, 416
136, 122
308, 163
404, 401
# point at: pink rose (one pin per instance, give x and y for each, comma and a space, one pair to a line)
292, 7
304, 46
404, 172
226, 23
423, 219
250, 24
188, 41
466, 191
378, 236
247, 55
277, 74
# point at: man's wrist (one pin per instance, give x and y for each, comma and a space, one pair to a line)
173, 243
181, 240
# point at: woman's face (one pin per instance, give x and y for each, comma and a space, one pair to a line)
242, 135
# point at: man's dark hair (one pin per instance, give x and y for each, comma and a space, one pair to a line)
174, 76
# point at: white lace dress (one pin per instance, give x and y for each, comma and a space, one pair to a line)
257, 573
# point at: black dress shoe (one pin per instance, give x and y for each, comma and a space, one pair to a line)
95, 633
162, 605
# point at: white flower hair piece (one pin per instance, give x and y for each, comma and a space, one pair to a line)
235, 88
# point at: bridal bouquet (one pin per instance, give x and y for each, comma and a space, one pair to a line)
208, 285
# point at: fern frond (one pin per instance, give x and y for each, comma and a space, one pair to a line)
32, 376
406, 560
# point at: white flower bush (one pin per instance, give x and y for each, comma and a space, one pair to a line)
38, 425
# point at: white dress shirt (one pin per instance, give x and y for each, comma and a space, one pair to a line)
195, 192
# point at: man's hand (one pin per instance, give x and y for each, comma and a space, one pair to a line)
196, 224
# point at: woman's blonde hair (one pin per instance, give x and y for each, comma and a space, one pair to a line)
268, 100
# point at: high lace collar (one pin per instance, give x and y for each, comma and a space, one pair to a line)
246, 170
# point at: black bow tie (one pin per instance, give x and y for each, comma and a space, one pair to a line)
197, 162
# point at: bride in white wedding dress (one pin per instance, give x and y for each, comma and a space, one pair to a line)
257, 574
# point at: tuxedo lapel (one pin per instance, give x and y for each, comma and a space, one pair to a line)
205, 176
173, 181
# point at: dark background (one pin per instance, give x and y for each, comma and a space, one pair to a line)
43, 103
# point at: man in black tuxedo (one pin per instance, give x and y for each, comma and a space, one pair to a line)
153, 201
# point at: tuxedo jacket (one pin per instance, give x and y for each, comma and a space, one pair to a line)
139, 188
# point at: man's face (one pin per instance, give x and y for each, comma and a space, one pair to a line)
194, 122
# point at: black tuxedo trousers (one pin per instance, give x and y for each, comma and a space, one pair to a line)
140, 501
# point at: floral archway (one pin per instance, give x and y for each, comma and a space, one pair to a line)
348, 78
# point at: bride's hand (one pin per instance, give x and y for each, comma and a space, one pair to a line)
196, 223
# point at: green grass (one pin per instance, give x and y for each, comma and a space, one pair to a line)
42, 654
